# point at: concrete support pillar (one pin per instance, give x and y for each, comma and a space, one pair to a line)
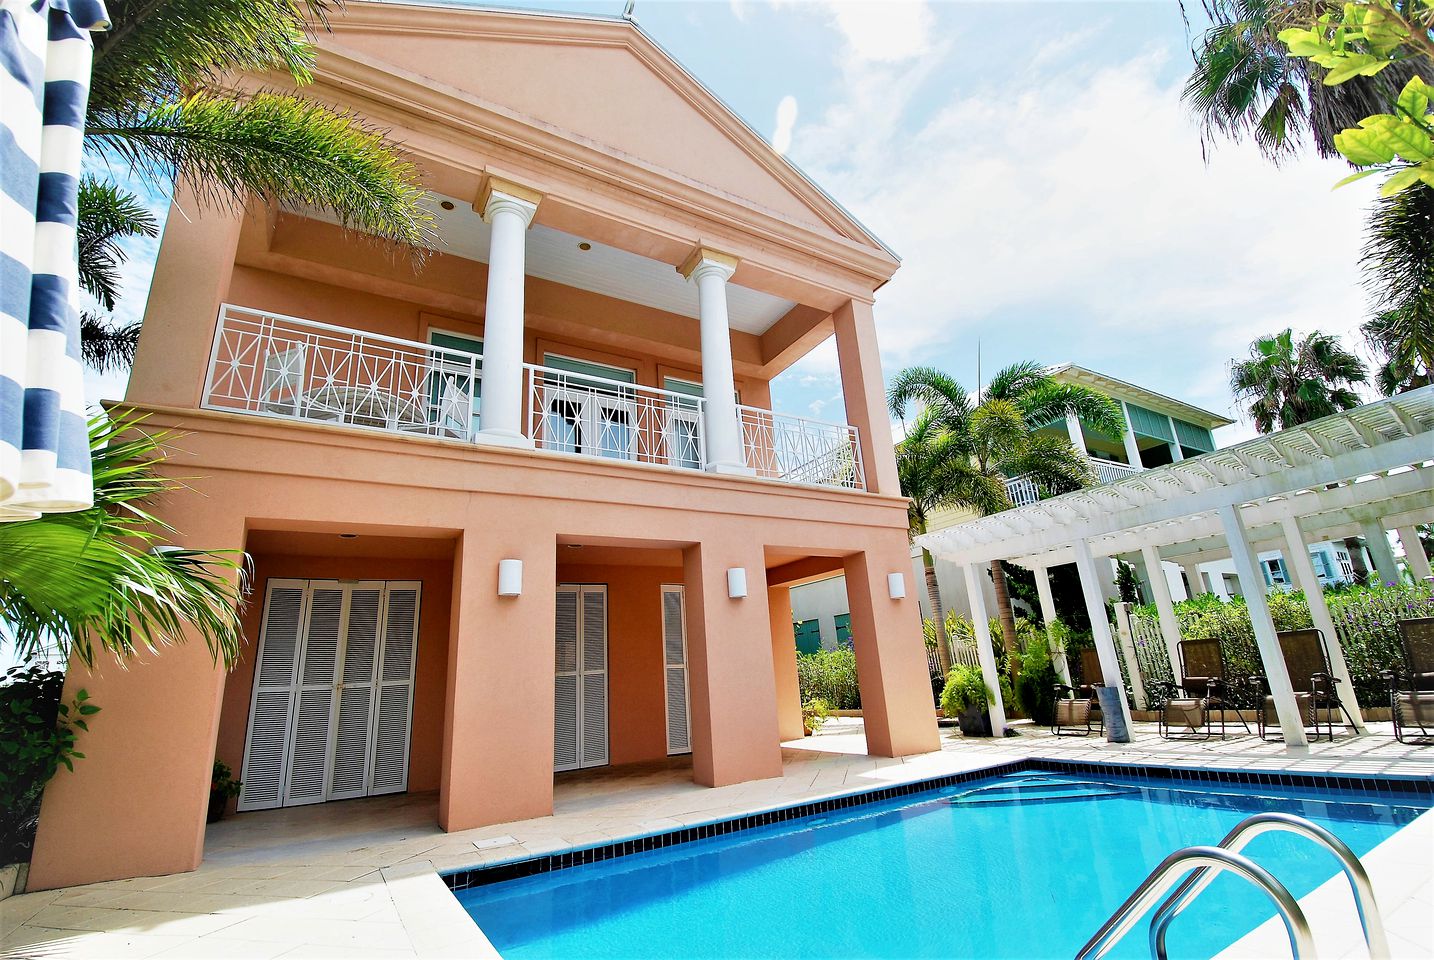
890, 656
1074, 431
864, 394
981, 622
136, 804
1048, 615
1164, 607
1132, 446
498, 724
1252, 584
1414, 557
722, 435
731, 678
1194, 580
784, 663
1297, 558
1099, 625
509, 208
1376, 540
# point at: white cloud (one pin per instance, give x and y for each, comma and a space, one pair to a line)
786, 119
887, 31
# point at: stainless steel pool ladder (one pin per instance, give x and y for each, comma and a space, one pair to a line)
1210, 861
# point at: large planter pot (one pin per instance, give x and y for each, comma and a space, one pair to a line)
975, 722
217, 803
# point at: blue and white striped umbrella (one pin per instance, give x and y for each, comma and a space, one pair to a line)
45, 58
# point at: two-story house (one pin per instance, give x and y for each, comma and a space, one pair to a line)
524, 510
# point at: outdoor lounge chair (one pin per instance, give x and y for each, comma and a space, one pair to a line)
1078, 707
1316, 688
1411, 692
1202, 692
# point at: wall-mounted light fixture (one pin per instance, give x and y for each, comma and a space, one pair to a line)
896, 586
737, 582
510, 578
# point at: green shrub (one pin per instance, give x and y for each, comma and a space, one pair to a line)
830, 676
815, 712
1035, 687
965, 687
37, 735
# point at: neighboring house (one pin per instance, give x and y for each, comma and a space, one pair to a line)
527, 509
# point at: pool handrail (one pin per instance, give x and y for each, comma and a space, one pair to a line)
1237, 839
1212, 860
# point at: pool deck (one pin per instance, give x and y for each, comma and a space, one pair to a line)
360, 877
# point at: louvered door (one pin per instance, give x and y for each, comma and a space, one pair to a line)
353, 726
311, 742
580, 727
393, 708
592, 702
674, 663
565, 680
266, 747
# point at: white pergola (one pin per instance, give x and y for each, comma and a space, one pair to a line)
1360, 472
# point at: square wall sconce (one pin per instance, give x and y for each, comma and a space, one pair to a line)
896, 586
737, 582
510, 578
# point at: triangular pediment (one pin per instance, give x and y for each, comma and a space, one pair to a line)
598, 81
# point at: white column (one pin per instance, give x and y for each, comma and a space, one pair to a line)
1176, 454
1048, 614
1253, 586
975, 572
1297, 558
509, 209
721, 433
1132, 448
1414, 557
1125, 634
1377, 541
1164, 607
1077, 435
1193, 578
1099, 625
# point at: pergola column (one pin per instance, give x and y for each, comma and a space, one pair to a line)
1195, 582
1164, 607
1297, 558
1377, 542
1132, 446
711, 270
1253, 586
1414, 557
509, 209
1048, 616
1100, 626
982, 625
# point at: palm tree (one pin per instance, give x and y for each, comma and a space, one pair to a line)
1288, 382
163, 102
985, 443
1399, 274
108, 577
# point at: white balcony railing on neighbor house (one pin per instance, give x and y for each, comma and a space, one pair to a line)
1023, 491
276, 366
801, 450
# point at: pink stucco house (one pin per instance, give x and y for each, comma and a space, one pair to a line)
525, 510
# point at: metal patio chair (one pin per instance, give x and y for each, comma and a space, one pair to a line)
1202, 692
1078, 706
1411, 691
1306, 659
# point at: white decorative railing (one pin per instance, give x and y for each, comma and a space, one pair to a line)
591, 416
1023, 490
801, 450
278, 366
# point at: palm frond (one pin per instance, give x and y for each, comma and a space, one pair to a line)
1015, 381
931, 388
1285, 382
1053, 400
107, 215
107, 345
283, 148
1399, 274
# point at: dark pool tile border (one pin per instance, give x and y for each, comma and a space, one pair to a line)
464, 879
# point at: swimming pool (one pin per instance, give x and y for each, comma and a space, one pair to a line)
1023, 864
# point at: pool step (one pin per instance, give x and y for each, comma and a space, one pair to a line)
1036, 789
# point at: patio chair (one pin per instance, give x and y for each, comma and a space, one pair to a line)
1411, 692
1078, 707
1316, 688
1202, 692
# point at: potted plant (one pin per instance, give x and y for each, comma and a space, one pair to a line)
966, 697
221, 787
815, 712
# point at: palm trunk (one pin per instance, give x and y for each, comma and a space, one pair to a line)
1008, 620
1356, 559
933, 593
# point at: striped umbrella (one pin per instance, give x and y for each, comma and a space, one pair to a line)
45, 56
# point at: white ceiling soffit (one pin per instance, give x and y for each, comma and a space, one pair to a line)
557, 256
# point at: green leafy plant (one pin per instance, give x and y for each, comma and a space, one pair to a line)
222, 783
965, 688
38, 734
830, 675
1035, 685
815, 712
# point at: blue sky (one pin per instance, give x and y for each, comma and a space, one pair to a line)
1032, 165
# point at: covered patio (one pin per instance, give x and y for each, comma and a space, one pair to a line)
1358, 473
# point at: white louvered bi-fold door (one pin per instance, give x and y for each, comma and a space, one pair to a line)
266, 750
353, 725
674, 663
580, 721
393, 708
311, 741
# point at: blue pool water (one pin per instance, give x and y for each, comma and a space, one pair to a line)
1008, 871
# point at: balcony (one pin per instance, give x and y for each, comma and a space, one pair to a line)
1023, 491
268, 365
